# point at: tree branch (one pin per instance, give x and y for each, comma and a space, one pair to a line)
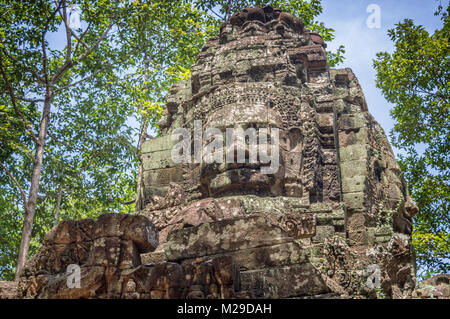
68, 63
24, 197
70, 147
44, 51
80, 39
80, 81
9, 55
13, 101
22, 98
218, 15
106, 65
69, 30
129, 202
68, 33
94, 46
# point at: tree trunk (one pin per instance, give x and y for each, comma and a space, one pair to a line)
139, 203
30, 206
58, 204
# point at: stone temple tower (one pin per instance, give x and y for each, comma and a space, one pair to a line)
333, 221
339, 195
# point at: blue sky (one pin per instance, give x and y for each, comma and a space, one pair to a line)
348, 19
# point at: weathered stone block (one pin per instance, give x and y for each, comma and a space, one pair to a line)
156, 190
347, 138
163, 176
355, 221
285, 282
354, 168
224, 270
322, 233
154, 257
141, 231
358, 237
324, 219
295, 224
354, 201
128, 227
325, 107
224, 236
326, 122
105, 252
108, 225
354, 184
8, 289
129, 255
436, 287
156, 160
55, 258
165, 281
70, 231
91, 285
266, 257
138, 277
353, 153
352, 121
157, 144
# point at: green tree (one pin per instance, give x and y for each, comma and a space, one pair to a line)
415, 78
68, 107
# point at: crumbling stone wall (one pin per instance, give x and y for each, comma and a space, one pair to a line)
101, 248
108, 253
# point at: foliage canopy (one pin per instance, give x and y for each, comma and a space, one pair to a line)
415, 78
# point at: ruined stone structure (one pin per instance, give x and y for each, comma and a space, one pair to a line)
333, 222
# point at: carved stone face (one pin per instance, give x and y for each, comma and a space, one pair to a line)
242, 80
253, 116
236, 176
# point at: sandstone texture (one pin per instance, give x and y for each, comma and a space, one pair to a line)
8, 289
334, 221
436, 287
337, 208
